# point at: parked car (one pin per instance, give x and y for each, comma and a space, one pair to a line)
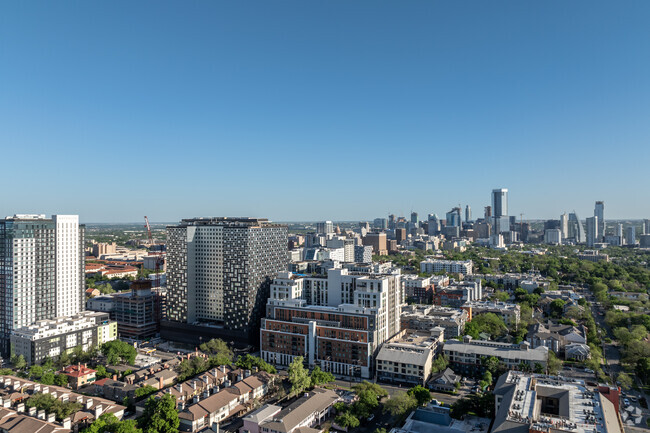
626, 402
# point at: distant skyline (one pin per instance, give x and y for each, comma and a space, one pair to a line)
339, 110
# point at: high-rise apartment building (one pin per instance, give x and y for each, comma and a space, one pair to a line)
41, 271
453, 217
564, 225
630, 235
646, 227
219, 271
338, 321
468, 213
592, 231
599, 212
501, 221
325, 227
576, 229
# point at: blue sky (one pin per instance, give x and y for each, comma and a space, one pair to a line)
305, 110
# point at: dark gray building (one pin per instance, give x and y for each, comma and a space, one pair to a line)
219, 272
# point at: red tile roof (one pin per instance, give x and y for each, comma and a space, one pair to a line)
77, 370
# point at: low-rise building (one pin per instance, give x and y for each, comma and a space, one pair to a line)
14, 391
407, 358
432, 266
593, 256
458, 293
557, 337
79, 375
310, 410
526, 402
466, 357
417, 288
510, 313
435, 418
426, 317
445, 381
50, 338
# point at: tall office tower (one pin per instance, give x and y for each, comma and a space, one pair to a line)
592, 231
400, 235
487, 213
414, 218
380, 223
576, 229
391, 221
646, 226
41, 270
619, 232
219, 272
453, 217
434, 224
599, 211
325, 227
500, 218
630, 235
500, 202
468, 213
564, 225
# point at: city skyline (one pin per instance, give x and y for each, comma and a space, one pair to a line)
108, 114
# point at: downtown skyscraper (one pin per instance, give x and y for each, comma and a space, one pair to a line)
219, 271
599, 212
501, 221
41, 270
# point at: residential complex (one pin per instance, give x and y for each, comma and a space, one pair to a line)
51, 337
219, 272
566, 340
407, 358
41, 271
337, 321
510, 313
466, 356
427, 317
538, 403
431, 266
308, 411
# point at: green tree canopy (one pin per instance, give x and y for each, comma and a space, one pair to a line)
421, 394
298, 375
319, 376
400, 403
117, 351
249, 361
160, 415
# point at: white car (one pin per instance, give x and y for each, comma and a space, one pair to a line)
626, 402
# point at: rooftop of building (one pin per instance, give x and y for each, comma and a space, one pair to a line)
287, 419
77, 370
409, 348
228, 221
500, 306
49, 327
437, 418
548, 403
520, 351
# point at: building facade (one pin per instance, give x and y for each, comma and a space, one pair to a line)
41, 270
219, 271
336, 321
51, 337
432, 266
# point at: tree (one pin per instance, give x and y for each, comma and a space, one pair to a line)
298, 375
501, 296
491, 364
400, 404
347, 420
18, 362
625, 380
366, 405
101, 372
145, 390
116, 351
369, 386
439, 364
47, 378
249, 361
642, 369
61, 380
35, 371
554, 363
319, 376
160, 415
487, 376
217, 346
488, 323
421, 394
108, 423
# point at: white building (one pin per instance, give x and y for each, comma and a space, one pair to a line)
432, 266
553, 236
47, 277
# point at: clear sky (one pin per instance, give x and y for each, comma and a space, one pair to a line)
310, 110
